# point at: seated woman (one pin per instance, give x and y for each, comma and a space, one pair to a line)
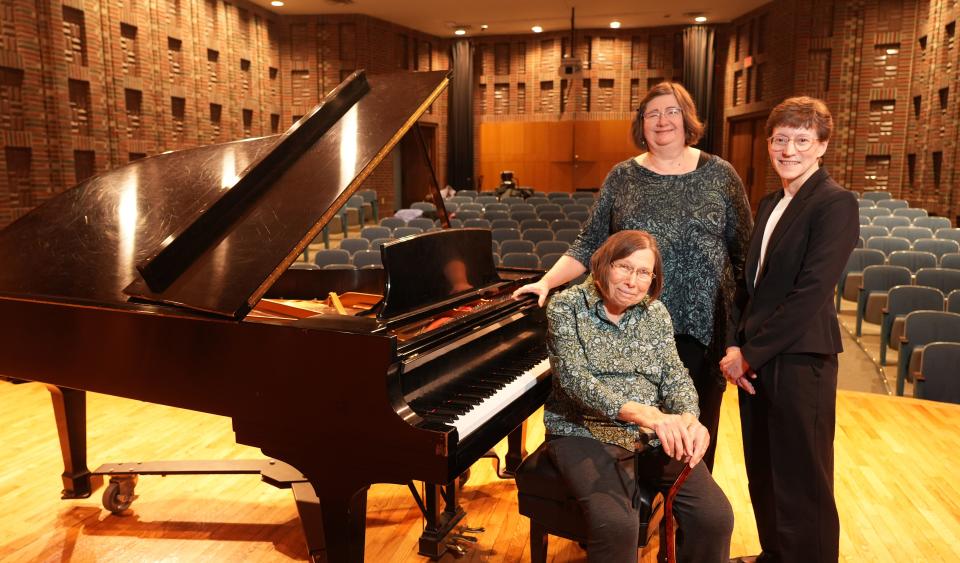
616, 368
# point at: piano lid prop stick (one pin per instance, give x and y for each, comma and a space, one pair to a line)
335, 301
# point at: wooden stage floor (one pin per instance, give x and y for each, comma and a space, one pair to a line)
897, 462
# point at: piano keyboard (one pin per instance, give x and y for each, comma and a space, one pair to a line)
471, 401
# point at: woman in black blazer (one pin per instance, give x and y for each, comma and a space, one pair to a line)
785, 339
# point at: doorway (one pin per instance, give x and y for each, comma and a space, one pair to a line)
415, 175
748, 155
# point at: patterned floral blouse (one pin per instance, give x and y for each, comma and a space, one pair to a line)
598, 366
702, 223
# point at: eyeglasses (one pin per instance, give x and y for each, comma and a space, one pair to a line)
780, 142
626, 271
669, 113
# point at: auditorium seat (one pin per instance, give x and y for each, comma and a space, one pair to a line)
937, 247
401, 232
944, 279
392, 222
893, 204
950, 261
911, 233
537, 235
911, 212
891, 221
331, 256
566, 235
874, 212
932, 223
534, 224
877, 281
367, 258
939, 378
505, 224
919, 329
901, 300
477, 223
876, 196
912, 260
371, 233
508, 246
352, 245
953, 301
501, 235
874, 230
551, 247
948, 233
527, 260
548, 260
888, 244
421, 223
849, 285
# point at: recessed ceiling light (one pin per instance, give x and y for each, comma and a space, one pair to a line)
484, 26
460, 31
700, 19
536, 29
276, 3
615, 25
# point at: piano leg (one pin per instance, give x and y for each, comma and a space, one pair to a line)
516, 449
334, 525
70, 410
438, 525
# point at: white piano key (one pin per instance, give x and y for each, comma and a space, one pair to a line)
489, 407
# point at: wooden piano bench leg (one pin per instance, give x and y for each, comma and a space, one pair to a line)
539, 539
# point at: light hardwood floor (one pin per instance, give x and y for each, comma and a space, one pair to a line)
896, 465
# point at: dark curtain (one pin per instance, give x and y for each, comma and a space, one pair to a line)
698, 55
460, 118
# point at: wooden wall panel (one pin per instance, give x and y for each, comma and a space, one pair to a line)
552, 156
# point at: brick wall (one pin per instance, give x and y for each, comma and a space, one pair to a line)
888, 71
89, 85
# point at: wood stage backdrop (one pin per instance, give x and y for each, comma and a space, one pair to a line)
896, 483
553, 156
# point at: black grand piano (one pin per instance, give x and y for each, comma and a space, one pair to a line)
167, 281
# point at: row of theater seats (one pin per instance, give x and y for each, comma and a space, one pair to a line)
905, 277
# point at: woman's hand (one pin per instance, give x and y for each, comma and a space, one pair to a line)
540, 289
700, 436
737, 371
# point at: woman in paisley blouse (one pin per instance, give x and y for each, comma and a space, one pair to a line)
695, 205
616, 368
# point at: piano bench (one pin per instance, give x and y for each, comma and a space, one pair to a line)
545, 500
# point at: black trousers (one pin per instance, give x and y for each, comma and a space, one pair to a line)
601, 477
788, 430
709, 388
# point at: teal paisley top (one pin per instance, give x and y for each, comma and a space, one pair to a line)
702, 223
598, 366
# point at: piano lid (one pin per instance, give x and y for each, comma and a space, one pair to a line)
86, 244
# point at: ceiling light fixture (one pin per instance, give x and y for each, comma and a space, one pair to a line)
460, 31
536, 29
615, 25
700, 19
484, 26
276, 3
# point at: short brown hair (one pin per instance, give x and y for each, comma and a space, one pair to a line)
802, 112
617, 247
692, 126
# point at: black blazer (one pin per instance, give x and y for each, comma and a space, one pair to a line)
790, 309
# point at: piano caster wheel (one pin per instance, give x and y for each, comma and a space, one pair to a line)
118, 496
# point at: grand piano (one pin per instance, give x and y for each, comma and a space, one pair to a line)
167, 280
